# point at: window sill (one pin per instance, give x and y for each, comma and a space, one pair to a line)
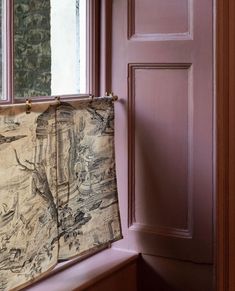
86, 273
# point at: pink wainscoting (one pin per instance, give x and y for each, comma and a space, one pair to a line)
162, 274
162, 71
102, 270
161, 18
162, 148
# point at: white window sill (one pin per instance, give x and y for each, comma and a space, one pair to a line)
85, 273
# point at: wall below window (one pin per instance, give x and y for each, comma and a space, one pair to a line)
164, 274
109, 270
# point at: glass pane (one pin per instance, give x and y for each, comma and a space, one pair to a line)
49, 47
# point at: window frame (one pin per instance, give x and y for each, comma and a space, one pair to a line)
99, 81
92, 50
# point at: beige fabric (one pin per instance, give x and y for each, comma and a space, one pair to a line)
58, 192
87, 190
28, 218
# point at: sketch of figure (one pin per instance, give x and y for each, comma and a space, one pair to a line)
58, 191
92, 188
28, 214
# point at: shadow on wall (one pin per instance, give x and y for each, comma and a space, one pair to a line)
162, 162
161, 202
162, 274
150, 280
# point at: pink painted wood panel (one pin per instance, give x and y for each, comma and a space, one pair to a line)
164, 129
162, 274
160, 17
123, 279
162, 146
87, 273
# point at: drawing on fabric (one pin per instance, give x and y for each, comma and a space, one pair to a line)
58, 192
28, 215
87, 191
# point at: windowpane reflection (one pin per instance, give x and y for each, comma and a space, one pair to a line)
49, 47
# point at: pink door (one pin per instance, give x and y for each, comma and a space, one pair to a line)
162, 71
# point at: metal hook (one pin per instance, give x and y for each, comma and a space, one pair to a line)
91, 97
28, 106
58, 101
114, 97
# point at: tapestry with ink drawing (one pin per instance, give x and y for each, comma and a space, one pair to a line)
28, 213
57, 186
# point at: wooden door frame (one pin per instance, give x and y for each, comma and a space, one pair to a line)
225, 145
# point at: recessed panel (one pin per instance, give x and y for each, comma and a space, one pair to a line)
160, 17
162, 134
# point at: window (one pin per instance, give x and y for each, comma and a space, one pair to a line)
38, 50
47, 49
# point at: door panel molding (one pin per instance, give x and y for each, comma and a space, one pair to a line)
133, 33
162, 231
171, 233
133, 224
